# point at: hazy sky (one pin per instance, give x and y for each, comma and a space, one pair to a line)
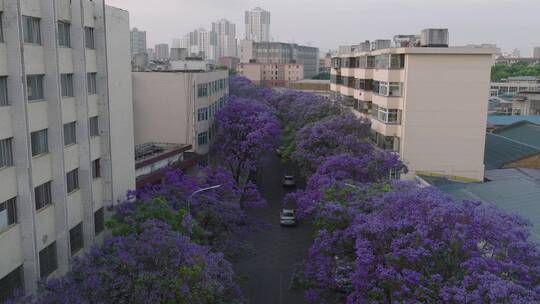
329, 23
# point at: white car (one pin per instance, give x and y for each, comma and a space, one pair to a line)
288, 180
287, 217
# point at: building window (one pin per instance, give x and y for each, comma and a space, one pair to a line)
94, 126
72, 181
43, 196
6, 152
64, 36
32, 30
76, 238
10, 283
202, 90
99, 221
70, 133
66, 82
96, 169
89, 38
203, 138
34, 84
92, 83
4, 98
1, 40
8, 213
390, 89
40, 142
388, 116
47, 260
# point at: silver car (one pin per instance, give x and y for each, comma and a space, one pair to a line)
288, 180
287, 217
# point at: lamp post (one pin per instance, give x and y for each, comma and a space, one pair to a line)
197, 192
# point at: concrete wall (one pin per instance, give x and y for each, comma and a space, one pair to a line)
120, 102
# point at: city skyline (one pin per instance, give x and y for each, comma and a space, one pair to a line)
480, 23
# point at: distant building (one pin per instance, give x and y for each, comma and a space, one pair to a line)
66, 134
179, 54
257, 23
325, 64
151, 54
512, 60
202, 43
536, 52
138, 42
281, 53
271, 74
226, 38
515, 53
162, 52
151, 159
526, 103
230, 62
411, 102
178, 107
311, 85
515, 85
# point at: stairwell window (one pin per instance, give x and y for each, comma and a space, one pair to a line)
94, 126
48, 262
31, 30
10, 283
66, 82
70, 133
43, 196
203, 138
4, 98
34, 84
6, 152
64, 35
76, 238
40, 142
96, 168
8, 213
72, 181
92, 83
99, 221
89, 38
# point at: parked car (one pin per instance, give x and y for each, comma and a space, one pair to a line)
287, 217
288, 180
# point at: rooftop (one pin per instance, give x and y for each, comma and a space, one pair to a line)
508, 120
524, 132
315, 81
513, 190
151, 150
501, 150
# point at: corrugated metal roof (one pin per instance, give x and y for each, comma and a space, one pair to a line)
502, 120
501, 150
524, 132
514, 190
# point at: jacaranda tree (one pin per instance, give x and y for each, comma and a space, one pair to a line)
413, 245
157, 265
339, 134
248, 129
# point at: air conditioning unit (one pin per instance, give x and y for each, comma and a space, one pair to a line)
434, 38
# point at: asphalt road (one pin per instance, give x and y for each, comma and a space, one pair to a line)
267, 273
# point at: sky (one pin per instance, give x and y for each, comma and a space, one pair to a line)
329, 23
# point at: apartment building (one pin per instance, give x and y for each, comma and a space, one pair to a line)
161, 52
271, 74
279, 52
257, 23
178, 107
138, 42
427, 103
226, 38
66, 152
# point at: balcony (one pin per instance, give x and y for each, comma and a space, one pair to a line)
361, 73
347, 91
389, 75
347, 72
388, 102
392, 130
363, 95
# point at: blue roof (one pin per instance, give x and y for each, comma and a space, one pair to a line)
514, 190
501, 150
501, 120
523, 132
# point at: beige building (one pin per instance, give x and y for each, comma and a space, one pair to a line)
526, 103
66, 132
426, 103
271, 74
178, 107
515, 85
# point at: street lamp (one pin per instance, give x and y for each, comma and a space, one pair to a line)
197, 192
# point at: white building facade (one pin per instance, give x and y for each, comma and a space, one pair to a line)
66, 152
257, 23
161, 52
178, 107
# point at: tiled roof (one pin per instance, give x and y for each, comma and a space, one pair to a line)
501, 150
501, 120
514, 190
524, 132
